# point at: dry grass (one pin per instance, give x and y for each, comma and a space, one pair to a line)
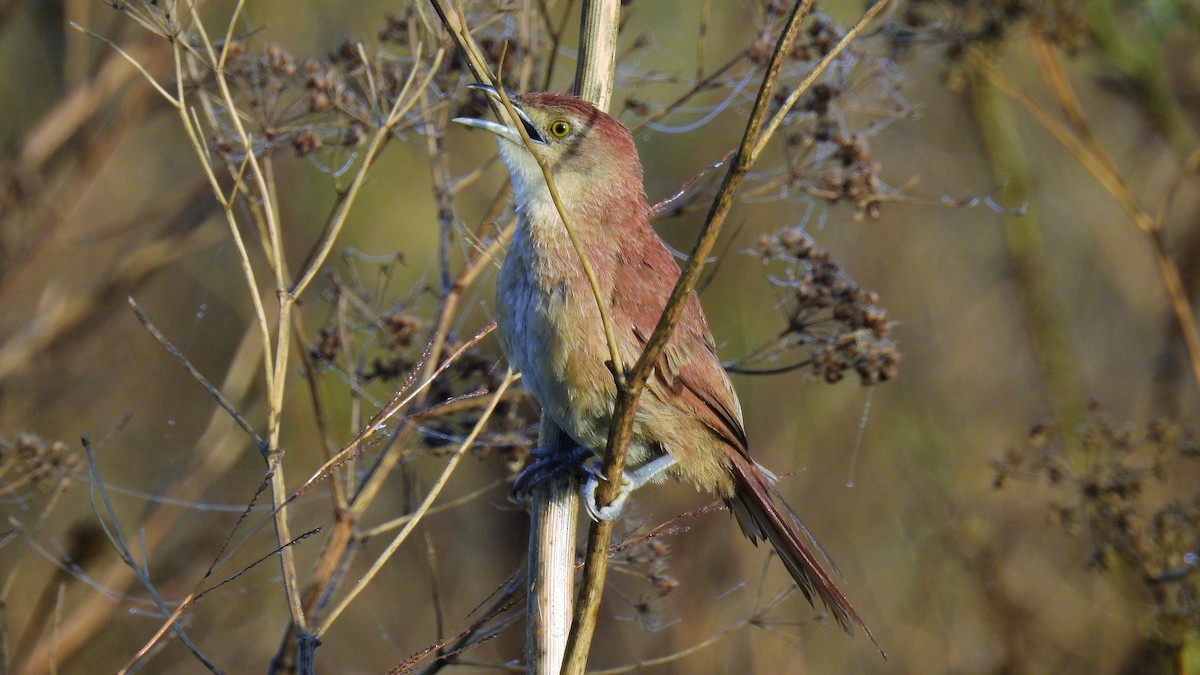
298, 446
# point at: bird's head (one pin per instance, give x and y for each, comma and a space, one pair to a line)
592, 157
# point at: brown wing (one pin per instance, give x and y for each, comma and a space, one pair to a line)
688, 374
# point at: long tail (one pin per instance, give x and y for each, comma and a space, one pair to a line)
762, 514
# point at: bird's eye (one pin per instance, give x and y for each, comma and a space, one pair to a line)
560, 128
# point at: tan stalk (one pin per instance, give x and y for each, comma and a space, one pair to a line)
600, 534
1113, 183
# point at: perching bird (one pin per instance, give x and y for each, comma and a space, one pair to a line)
689, 421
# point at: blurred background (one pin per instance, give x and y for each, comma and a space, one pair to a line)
956, 294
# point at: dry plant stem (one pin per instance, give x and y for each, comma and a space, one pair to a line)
288, 296
419, 514
398, 403
275, 377
1112, 182
554, 505
1056, 78
225, 404
1163, 108
556, 34
709, 641
600, 534
81, 622
553, 515
453, 19
171, 621
506, 598
703, 84
338, 493
471, 496
276, 367
435, 121
340, 544
447, 313
597, 51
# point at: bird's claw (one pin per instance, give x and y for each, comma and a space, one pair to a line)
630, 481
548, 465
611, 510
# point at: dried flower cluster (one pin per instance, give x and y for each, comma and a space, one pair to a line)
332, 101
964, 26
337, 100
385, 348
28, 461
825, 137
648, 559
1132, 490
160, 17
839, 323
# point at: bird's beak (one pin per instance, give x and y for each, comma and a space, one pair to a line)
502, 130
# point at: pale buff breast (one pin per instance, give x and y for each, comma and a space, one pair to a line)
550, 331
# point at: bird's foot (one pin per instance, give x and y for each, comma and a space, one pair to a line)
547, 465
630, 481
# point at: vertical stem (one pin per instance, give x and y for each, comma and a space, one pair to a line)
552, 526
1187, 655
597, 51
1024, 243
555, 504
631, 385
276, 378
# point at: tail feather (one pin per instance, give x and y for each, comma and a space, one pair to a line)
762, 514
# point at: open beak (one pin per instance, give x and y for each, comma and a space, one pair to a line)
502, 130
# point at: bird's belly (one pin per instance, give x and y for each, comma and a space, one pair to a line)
550, 331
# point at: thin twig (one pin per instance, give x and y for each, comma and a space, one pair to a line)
404, 102
507, 597
419, 513
220, 447
811, 78
225, 404
1115, 185
398, 402
112, 529
620, 430
132, 60
276, 377
453, 503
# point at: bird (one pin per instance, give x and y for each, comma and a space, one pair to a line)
689, 421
